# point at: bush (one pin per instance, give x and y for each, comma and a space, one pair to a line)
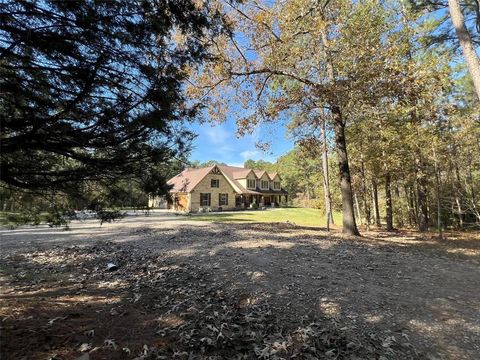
13, 220
254, 206
109, 215
56, 219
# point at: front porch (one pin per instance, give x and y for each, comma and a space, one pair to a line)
244, 201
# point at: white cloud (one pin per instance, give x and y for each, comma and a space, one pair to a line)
218, 135
249, 154
236, 164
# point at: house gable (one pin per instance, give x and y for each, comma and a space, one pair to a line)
204, 186
243, 180
214, 174
274, 176
263, 179
188, 179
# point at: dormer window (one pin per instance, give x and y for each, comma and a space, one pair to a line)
251, 183
276, 185
215, 183
264, 184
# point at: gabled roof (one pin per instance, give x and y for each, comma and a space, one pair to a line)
259, 173
273, 175
240, 174
189, 178
232, 173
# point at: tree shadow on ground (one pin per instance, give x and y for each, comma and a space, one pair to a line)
253, 289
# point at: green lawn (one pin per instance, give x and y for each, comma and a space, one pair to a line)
300, 216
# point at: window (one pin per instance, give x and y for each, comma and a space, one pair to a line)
264, 184
251, 183
215, 183
222, 199
276, 185
205, 199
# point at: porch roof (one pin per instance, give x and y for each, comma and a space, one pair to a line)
264, 192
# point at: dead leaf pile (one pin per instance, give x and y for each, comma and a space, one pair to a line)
162, 309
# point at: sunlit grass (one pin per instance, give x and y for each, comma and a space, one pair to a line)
299, 216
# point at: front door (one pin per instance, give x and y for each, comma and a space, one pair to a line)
238, 200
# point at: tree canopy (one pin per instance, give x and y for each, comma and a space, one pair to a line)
365, 72
93, 90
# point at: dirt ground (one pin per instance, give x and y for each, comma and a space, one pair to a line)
199, 290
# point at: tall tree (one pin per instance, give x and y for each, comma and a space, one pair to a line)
471, 57
298, 50
93, 90
456, 23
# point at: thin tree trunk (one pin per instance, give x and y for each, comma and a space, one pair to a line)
359, 213
413, 197
437, 188
457, 196
399, 218
472, 186
409, 207
326, 181
473, 198
459, 210
307, 191
366, 203
388, 202
375, 203
471, 57
423, 209
421, 197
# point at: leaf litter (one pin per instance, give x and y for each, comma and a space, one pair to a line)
158, 307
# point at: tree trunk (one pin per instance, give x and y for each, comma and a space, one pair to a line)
357, 205
421, 196
437, 188
423, 208
375, 203
473, 197
400, 218
307, 191
348, 222
460, 212
349, 225
366, 204
414, 203
465, 40
458, 195
388, 202
326, 181
409, 207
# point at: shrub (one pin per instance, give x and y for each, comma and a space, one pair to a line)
109, 215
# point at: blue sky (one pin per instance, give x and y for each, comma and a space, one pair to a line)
220, 142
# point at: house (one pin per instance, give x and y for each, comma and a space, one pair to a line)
221, 187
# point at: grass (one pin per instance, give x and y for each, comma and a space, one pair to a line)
299, 216
9, 219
